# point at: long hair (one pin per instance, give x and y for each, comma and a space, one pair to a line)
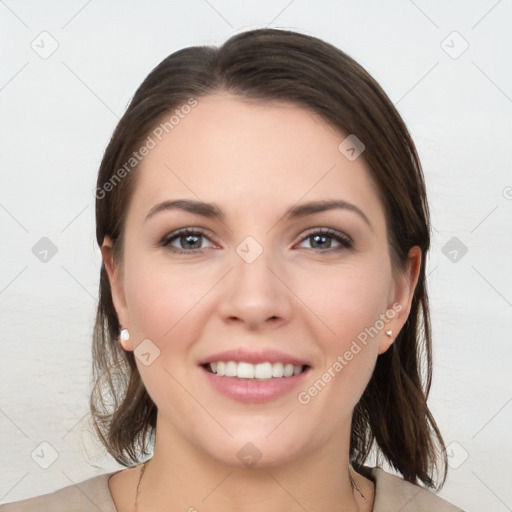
392, 415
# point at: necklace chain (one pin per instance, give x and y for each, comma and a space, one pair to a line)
138, 485
144, 469
355, 486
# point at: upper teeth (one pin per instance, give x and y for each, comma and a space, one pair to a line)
254, 371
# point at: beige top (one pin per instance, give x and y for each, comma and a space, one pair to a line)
392, 494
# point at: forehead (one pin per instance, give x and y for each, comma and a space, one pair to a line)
251, 155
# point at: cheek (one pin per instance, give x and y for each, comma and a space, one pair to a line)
164, 301
349, 300
164, 305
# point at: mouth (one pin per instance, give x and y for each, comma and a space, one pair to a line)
254, 383
258, 372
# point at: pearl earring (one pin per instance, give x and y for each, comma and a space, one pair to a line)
389, 333
125, 336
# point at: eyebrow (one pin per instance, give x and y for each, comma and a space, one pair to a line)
212, 211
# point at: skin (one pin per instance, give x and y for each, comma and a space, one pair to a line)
254, 160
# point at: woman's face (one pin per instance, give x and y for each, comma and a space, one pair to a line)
256, 279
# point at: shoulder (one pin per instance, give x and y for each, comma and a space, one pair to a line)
87, 496
394, 493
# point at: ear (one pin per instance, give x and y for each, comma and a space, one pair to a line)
115, 277
401, 296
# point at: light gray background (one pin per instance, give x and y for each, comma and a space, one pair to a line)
58, 113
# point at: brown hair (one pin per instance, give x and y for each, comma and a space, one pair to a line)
273, 64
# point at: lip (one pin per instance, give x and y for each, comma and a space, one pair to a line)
254, 390
254, 357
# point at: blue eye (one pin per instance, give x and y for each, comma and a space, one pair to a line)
320, 237
187, 238
190, 240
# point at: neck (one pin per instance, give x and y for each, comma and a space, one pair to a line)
181, 477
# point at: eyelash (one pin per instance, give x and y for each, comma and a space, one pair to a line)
345, 241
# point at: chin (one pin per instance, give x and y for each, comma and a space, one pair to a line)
254, 451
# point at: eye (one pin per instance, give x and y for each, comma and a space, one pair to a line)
322, 240
189, 240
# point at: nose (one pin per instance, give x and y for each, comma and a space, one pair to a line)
255, 293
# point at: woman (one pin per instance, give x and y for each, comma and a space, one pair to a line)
262, 217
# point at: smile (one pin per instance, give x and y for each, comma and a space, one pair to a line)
245, 386
261, 371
